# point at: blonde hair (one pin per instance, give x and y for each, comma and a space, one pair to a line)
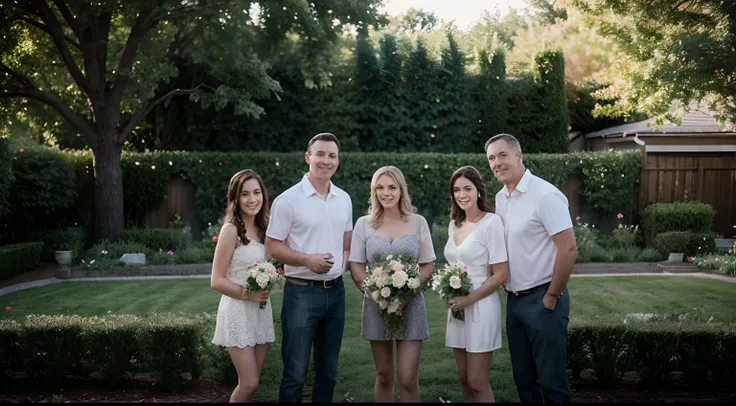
375, 209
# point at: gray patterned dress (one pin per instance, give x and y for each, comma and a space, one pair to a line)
371, 246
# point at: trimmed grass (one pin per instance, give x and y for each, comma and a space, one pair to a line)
590, 297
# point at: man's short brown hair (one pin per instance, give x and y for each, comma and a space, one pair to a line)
323, 137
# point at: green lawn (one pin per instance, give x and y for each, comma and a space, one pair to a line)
590, 297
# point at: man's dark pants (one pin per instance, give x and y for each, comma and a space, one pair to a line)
537, 340
311, 314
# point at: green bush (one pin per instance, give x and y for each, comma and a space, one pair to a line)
686, 242
158, 238
725, 264
19, 258
44, 192
114, 251
61, 239
649, 255
439, 239
53, 348
654, 349
6, 175
677, 216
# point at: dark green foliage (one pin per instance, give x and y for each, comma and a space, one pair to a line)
6, 175
19, 258
43, 193
53, 348
60, 239
677, 216
654, 349
492, 95
686, 242
158, 238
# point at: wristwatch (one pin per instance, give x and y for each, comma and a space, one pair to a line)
555, 296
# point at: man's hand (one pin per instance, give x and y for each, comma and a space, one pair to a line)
549, 301
317, 263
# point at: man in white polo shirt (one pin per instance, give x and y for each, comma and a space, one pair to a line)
309, 231
541, 251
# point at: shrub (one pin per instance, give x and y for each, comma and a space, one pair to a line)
6, 175
678, 216
686, 242
625, 254
19, 258
113, 251
649, 255
53, 348
158, 238
61, 239
725, 264
625, 236
439, 239
655, 348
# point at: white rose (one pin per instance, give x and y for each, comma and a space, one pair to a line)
399, 279
394, 307
455, 282
379, 282
262, 280
386, 292
253, 272
414, 283
375, 295
382, 304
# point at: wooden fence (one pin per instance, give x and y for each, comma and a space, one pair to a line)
707, 177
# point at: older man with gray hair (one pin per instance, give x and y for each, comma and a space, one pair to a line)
541, 252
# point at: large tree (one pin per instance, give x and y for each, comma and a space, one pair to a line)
677, 52
98, 64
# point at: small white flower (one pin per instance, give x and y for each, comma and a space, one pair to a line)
382, 304
262, 280
386, 291
393, 307
414, 283
375, 295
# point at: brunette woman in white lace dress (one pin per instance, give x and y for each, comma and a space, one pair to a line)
242, 326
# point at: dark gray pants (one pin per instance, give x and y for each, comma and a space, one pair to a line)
538, 346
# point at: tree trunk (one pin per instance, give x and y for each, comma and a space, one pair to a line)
109, 221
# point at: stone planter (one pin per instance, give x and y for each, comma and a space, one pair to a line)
675, 257
63, 273
63, 257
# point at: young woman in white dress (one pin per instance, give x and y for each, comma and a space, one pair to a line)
242, 326
477, 242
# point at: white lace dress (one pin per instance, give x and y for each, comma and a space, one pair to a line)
243, 323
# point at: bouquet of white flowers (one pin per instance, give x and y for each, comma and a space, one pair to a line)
390, 284
263, 276
452, 281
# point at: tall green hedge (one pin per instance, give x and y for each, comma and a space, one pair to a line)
676, 216
6, 174
609, 178
427, 175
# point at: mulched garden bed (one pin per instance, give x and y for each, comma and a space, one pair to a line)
207, 390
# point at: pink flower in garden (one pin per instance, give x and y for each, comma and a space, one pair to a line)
465, 269
103, 252
690, 259
170, 252
730, 251
710, 319
578, 219
619, 216
8, 308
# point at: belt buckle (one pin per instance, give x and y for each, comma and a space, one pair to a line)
515, 293
325, 284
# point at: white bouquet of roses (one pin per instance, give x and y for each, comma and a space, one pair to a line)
392, 283
452, 281
263, 276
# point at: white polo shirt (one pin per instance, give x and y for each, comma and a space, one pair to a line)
534, 212
309, 224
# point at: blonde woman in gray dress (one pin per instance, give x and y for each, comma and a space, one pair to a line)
392, 227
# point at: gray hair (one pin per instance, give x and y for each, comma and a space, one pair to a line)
510, 139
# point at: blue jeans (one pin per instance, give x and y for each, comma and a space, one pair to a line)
538, 346
311, 315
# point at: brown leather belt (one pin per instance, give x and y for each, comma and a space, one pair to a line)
528, 291
307, 282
